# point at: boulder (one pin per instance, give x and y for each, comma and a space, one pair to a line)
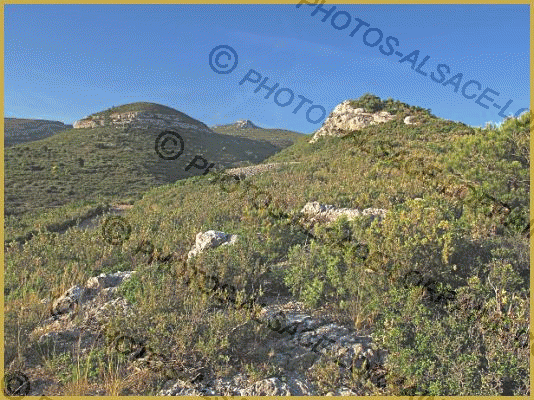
209, 240
68, 301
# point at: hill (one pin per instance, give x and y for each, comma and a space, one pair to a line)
247, 129
109, 156
138, 114
240, 124
388, 260
19, 130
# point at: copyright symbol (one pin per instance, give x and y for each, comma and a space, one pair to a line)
16, 384
116, 230
163, 148
128, 346
261, 200
217, 53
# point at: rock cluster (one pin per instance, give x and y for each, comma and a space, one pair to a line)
302, 342
299, 340
78, 295
240, 386
209, 240
328, 213
138, 120
77, 317
345, 119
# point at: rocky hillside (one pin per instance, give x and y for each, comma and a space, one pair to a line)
19, 130
388, 260
141, 116
351, 116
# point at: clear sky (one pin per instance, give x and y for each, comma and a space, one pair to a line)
63, 62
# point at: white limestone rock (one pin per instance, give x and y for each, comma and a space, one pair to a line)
325, 212
211, 239
345, 119
78, 295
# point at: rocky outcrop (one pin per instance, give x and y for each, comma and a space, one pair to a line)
239, 124
209, 240
78, 295
345, 119
257, 169
76, 320
245, 123
328, 213
138, 120
299, 343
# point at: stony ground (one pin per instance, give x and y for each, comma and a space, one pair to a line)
301, 338
256, 169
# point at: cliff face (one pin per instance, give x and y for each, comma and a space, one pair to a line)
345, 118
138, 120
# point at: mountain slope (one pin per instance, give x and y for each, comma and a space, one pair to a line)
431, 269
116, 159
20, 130
440, 281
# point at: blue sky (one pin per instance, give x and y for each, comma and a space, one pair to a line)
64, 62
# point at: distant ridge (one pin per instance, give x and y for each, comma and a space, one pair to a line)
245, 128
22, 130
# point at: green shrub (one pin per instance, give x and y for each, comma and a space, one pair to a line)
369, 102
479, 345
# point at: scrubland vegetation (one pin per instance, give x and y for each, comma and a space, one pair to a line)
434, 178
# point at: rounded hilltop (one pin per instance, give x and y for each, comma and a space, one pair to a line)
140, 106
143, 113
143, 107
